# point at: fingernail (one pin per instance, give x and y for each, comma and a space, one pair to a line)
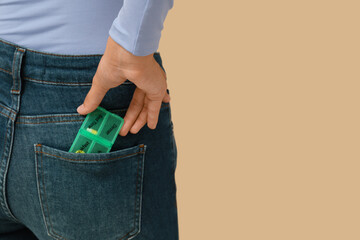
81, 108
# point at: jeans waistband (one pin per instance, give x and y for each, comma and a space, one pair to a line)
50, 68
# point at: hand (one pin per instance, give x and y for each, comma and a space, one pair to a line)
117, 65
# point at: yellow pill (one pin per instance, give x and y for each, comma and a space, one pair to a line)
93, 131
79, 151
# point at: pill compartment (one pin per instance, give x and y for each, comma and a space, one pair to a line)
99, 148
111, 128
94, 121
81, 144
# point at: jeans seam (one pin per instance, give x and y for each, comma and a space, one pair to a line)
50, 122
6, 71
6, 115
165, 105
4, 202
66, 83
7, 108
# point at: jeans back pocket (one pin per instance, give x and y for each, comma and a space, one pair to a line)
90, 195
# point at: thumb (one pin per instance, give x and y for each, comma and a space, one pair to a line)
93, 97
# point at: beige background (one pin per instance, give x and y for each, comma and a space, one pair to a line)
265, 105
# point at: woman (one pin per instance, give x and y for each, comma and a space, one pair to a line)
59, 61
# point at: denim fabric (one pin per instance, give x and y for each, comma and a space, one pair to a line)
47, 192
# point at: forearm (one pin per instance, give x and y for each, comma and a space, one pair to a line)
138, 26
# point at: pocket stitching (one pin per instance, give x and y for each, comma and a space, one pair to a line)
63, 155
91, 160
139, 181
42, 205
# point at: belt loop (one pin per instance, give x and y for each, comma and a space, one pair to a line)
16, 70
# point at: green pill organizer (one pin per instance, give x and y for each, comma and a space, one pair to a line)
98, 132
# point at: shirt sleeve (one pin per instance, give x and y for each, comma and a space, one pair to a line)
138, 26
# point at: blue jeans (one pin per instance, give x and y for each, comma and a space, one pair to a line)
47, 192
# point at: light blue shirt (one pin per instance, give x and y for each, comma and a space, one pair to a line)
83, 26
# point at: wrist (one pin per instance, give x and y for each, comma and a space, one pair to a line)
121, 56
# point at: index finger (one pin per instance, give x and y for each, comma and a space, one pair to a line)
93, 97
